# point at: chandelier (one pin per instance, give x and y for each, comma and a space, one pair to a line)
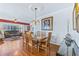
35, 21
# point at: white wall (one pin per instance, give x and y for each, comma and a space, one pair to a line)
60, 19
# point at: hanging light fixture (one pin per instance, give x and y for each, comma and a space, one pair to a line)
35, 8
15, 20
35, 21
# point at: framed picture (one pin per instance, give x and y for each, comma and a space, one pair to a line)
76, 17
77, 23
47, 23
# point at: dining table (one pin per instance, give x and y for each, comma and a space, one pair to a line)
38, 39
53, 47
39, 36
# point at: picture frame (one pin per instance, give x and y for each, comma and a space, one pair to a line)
74, 20
47, 23
77, 23
76, 17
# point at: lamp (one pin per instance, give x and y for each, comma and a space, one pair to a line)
36, 8
15, 20
35, 22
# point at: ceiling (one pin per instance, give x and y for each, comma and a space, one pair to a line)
25, 11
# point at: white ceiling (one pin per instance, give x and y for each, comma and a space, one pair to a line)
24, 11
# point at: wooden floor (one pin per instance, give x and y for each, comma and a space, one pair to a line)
16, 48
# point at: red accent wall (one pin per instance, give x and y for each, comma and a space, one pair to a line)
9, 21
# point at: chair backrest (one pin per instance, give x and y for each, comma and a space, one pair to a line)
26, 36
43, 34
49, 37
29, 35
23, 35
38, 33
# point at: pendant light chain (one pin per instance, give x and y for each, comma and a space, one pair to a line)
35, 23
35, 15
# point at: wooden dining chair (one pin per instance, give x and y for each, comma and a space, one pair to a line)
43, 34
31, 43
24, 39
45, 43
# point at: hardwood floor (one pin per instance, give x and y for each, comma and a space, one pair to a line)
16, 48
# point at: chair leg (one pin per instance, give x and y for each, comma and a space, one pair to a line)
49, 50
46, 51
27, 46
31, 49
37, 47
